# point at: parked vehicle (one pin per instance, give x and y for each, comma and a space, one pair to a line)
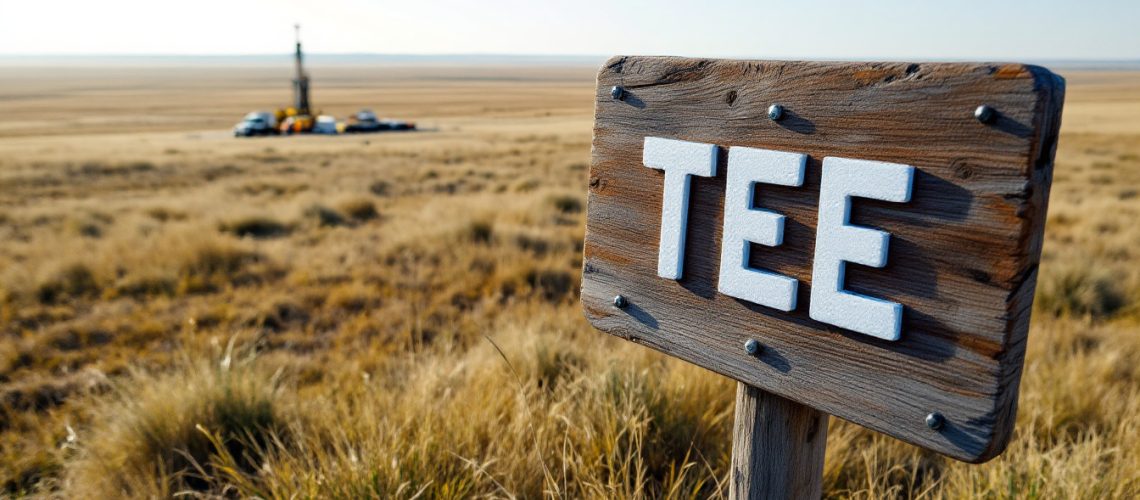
366, 121
256, 123
326, 125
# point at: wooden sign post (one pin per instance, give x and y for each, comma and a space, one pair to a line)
852, 239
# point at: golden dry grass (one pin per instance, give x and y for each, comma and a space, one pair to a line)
396, 315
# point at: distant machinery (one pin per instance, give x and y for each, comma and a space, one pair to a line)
301, 82
299, 117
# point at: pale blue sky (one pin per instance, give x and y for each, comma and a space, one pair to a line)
1007, 30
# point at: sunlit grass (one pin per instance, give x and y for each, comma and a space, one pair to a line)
399, 318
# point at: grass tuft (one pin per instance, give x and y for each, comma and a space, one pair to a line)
163, 214
480, 231
73, 281
567, 204
359, 209
210, 266
1079, 290
158, 435
380, 188
323, 216
254, 227
553, 285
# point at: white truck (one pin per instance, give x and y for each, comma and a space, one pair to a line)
256, 123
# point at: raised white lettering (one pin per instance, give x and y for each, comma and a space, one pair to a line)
838, 242
744, 224
679, 160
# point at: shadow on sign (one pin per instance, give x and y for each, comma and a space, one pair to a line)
641, 315
633, 100
1012, 127
797, 123
772, 358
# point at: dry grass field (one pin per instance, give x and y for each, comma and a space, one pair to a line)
396, 315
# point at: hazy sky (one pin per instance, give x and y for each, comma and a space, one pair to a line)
916, 29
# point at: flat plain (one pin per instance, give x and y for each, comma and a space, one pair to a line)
396, 314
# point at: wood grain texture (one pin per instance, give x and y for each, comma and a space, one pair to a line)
963, 252
778, 447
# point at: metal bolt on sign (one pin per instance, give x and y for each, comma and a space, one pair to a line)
620, 302
985, 113
775, 112
935, 420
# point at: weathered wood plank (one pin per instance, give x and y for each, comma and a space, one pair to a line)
963, 252
778, 447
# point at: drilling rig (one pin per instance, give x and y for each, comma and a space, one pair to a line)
299, 117
301, 82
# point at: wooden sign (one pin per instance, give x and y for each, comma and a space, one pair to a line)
858, 238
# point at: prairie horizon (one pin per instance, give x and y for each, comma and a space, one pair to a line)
319, 60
